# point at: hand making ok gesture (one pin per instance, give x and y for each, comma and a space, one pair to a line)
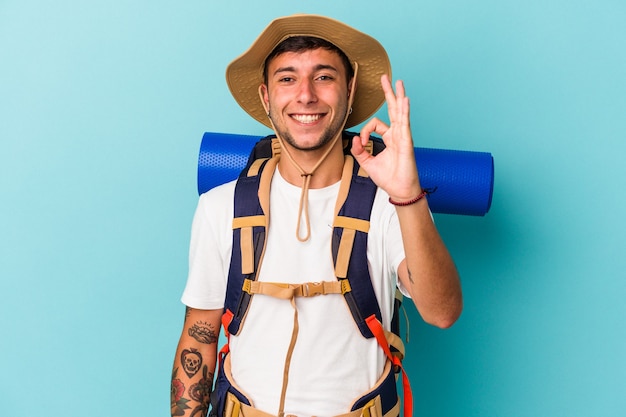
394, 169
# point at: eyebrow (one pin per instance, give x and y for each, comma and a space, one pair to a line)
318, 67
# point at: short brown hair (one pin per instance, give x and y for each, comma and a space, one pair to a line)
307, 43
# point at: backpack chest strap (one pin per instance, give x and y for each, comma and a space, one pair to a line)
288, 291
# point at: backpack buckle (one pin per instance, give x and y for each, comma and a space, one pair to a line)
310, 289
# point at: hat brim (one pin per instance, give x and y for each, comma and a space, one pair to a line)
245, 74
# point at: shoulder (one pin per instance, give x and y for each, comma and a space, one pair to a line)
215, 208
218, 199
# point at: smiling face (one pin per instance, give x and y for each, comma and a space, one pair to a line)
307, 97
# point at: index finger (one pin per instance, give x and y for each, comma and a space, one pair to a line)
373, 125
394, 99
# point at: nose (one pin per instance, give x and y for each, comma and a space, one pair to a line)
306, 92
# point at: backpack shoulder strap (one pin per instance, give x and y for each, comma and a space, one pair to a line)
350, 255
349, 244
250, 223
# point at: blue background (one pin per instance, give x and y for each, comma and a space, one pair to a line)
102, 109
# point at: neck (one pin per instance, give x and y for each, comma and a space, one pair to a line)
327, 173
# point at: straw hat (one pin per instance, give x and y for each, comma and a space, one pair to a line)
245, 73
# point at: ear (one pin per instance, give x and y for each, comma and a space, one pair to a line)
351, 87
265, 97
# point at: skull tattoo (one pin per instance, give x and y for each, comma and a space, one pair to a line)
191, 361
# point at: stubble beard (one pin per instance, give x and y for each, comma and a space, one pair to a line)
325, 138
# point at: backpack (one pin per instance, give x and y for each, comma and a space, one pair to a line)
349, 248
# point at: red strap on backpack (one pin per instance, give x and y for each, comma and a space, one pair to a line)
226, 319
377, 329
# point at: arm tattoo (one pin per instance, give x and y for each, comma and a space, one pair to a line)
201, 392
178, 402
203, 332
410, 276
191, 360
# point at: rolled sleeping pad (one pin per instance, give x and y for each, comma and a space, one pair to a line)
462, 180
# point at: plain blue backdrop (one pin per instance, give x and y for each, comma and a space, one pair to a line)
102, 108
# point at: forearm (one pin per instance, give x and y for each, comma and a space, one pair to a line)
194, 364
428, 271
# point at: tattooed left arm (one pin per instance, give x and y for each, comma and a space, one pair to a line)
194, 363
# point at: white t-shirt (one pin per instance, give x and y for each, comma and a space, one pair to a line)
332, 363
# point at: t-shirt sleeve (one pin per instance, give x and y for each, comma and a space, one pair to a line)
385, 235
395, 247
210, 249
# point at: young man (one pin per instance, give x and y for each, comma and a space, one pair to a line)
309, 78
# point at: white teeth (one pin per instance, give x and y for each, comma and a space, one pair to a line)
306, 118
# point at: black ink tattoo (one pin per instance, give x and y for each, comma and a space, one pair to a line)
201, 392
191, 360
203, 333
410, 276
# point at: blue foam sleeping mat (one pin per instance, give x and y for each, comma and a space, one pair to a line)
463, 179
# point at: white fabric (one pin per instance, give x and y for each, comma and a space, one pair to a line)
332, 363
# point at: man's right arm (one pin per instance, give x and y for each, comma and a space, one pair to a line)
194, 363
